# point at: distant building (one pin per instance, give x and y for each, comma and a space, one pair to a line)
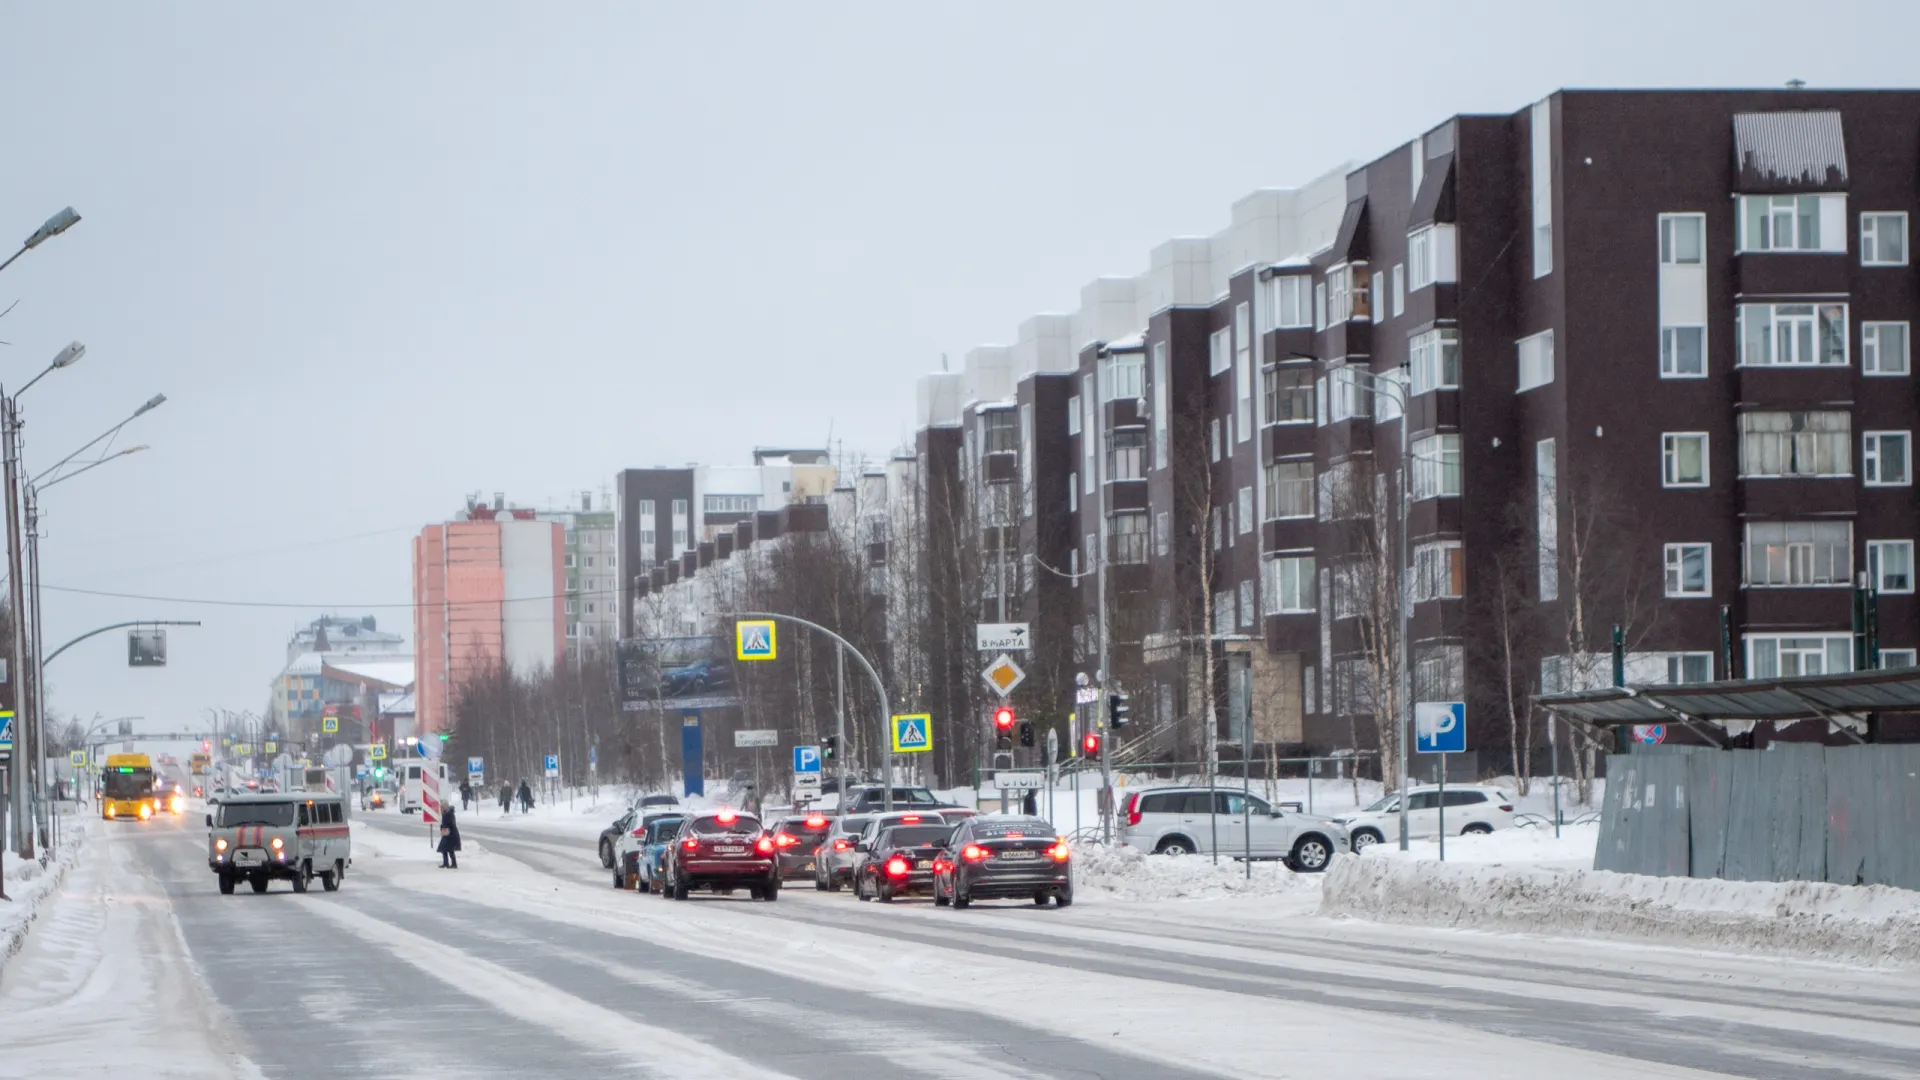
488, 589
340, 663
590, 557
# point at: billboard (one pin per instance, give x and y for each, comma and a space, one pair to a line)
674, 673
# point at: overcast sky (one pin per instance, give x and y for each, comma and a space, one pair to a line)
385, 256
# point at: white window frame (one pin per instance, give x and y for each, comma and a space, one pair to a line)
1431, 256
1828, 646
1676, 566
1291, 300
1243, 371
1874, 458
1220, 351
1670, 352
1799, 557
1873, 226
1350, 397
1073, 415
1899, 658
1433, 570
1437, 467
1535, 359
1320, 306
1433, 360
1876, 565
1399, 288
1874, 351
1829, 220
1765, 351
1670, 442
1670, 239
1295, 592
1246, 509
1676, 667
1275, 501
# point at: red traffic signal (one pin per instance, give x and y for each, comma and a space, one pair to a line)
1003, 718
1091, 745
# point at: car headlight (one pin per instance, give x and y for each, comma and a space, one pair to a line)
220, 844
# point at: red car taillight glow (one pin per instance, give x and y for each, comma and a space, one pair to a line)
973, 853
816, 822
726, 817
839, 845
897, 867
910, 819
1133, 810
1059, 852
691, 844
764, 845
640, 833
785, 841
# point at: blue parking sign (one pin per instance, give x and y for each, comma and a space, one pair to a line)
1440, 727
806, 759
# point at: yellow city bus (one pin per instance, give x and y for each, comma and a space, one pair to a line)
126, 787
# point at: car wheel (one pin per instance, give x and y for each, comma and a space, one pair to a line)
1174, 845
1478, 828
833, 881
771, 891
1311, 854
753, 892
819, 883
330, 879
1040, 898
883, 892
1063, 898
606, 854
302, 877
939, 898
619, 880
1365, 838
960, 899
860, 888
679, 889
226, 883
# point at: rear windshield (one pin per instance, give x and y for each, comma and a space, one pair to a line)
915, 835
797, 826
713, 826
275, 813
1032, 829
855, 823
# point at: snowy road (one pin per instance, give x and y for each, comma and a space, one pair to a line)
525, 964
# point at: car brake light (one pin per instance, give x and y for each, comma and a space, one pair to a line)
1506, 808
691, 843
839, 845
910, 819
941, 864
764, 845
1133, 810
896, 867
726, 817
640, 833
973, 853
1016, 836
816, 822
784, 840
1059, 852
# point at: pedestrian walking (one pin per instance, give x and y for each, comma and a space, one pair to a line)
506, 796
526, 797
449, 841
466, 794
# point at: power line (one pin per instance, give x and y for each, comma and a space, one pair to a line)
576, 594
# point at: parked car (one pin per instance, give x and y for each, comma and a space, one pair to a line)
1469, 810
1186, 820
610, 836
723, 851
639, 856
833, 863
651, 801
796, 840
999, 857
899, 861
867, 798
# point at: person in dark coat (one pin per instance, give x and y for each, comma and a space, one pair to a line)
449, 840
506, 796
466, 794
526, 798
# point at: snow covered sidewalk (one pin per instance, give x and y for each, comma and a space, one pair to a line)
29, 884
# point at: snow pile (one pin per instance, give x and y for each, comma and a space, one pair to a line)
29, 884
1849, 924
1534, 847
1127, 874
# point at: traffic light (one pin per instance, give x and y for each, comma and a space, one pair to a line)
444, 736
1026, 733
1090, 746
1117, 709
1003, 728
829, 746
379, 772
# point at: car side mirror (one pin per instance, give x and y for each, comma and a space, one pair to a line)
209, 821
862, 847
1276, 812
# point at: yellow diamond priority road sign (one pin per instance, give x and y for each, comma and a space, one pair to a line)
1003, 675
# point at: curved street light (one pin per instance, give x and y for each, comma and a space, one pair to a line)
54, 226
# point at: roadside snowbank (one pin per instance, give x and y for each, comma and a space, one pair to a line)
1128, 875
29, 884
1534, 847
1870, 924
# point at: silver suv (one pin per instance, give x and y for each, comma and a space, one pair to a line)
1186, 820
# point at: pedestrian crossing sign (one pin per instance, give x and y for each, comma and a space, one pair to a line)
377, 752
753, 639
330, 725
912, 734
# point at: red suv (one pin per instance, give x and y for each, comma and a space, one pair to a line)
722, 851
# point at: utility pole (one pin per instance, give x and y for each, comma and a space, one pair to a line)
1107, 801
16, 644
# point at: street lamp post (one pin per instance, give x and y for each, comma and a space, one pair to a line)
54, 226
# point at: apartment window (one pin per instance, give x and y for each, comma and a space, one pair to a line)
648, 541
1127, 538
1000, 431
1546, 497
646, 509
1376, 301
1785, 554
1127, 454
571, 605
1213, 528
877, 580
1223, 612
1439, 571
1388, 406
1293, 585
1162, 405
1286, 394
1399, 288
1421, 257
1246, 510
1436, 466
1884, 348
1440, 673
573, 630
1536, 360
1774, 444
1890, 565
1320, 400
1434, 359
1683, 352
1898, 658
1883, 239
1220, 351
732, 504
1290, 489
568, 561
1792, 223
1683, 459
1089, 451
1073, 493
1689, 570
1689, 667
679, 508
1162, 533
1093, 550
1347, 292
1289, 297
1886, 459
1073, 415
590, 608
1026, 459
1123, 377
1242, 372
1213, 439
1351, 583
1783, 656
590, 562
1683, 239
1320, 306
1542, 175
1246, 604
1351, 397
1792, 335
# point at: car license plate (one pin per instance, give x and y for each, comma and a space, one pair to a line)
1017, 854
729, 849
246, 858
